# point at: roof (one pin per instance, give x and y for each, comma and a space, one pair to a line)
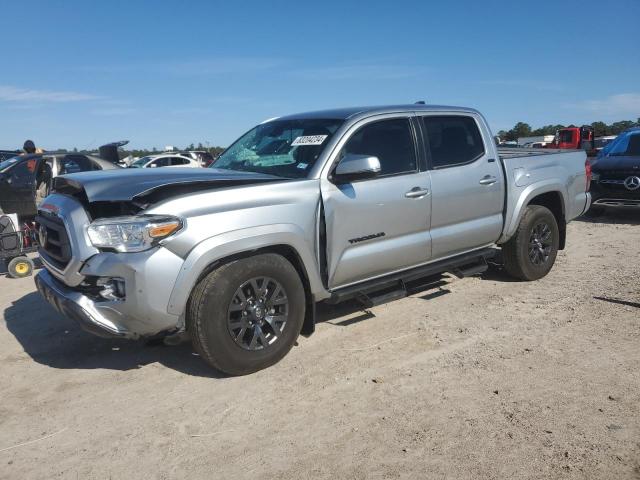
346, 113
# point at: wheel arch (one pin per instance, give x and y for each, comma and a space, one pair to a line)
217, 251
553, 201
547, 194
285, 251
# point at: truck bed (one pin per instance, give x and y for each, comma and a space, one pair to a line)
530, 152
551, 170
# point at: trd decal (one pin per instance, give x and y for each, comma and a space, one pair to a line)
367, 237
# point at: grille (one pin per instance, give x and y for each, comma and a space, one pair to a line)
618, 174
54, 242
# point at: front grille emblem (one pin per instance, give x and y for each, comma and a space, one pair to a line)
632, 183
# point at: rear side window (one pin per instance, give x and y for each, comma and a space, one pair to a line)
179, 161
75, 164
389, 140
452, 140
161, 162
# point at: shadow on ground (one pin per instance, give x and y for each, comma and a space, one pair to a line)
626, 303
613, 216
53, 340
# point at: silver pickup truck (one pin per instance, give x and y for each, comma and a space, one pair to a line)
320, 206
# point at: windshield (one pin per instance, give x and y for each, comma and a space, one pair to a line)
141, 162
626, 144
285, 148
8, 163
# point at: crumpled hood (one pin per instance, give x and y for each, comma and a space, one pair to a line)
129, 183
614, 162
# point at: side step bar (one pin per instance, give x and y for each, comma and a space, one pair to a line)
394, 286
471, 269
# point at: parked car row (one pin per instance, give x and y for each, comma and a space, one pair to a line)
166, 160
188, 159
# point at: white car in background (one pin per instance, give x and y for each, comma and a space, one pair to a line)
166, 160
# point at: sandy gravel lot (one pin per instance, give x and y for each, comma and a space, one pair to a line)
484, 378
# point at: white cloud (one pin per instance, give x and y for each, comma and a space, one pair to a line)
367, 71
621, 104
524, 84
190, 67
24, 95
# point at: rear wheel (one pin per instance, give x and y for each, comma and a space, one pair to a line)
246, 315
20, 267
531, 252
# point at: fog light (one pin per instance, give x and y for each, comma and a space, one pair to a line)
113, 289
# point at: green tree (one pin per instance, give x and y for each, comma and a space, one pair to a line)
521, 129
600, 129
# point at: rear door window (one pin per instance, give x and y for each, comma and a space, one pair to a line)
175, 161
452, 140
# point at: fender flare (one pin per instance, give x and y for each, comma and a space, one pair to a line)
525, 197
217, 248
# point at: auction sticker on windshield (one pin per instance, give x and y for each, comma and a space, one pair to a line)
309, 140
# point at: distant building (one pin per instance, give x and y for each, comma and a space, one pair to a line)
169, 148
537, 139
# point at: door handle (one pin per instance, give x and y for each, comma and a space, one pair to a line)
488, 180
417, 192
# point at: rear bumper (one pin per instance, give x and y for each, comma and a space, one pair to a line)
78, 307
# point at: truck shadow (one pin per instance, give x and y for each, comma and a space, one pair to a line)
56, 341
53, 340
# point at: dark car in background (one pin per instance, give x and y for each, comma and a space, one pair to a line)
26, 179
616, 173
6, 154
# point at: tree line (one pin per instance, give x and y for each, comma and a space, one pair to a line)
601, 129
214, 151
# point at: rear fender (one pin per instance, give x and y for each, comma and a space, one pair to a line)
513, 217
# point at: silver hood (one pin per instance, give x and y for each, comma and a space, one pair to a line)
129, 183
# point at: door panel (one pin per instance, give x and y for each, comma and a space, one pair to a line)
373, 228
467, 186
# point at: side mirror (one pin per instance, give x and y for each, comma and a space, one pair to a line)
356, 167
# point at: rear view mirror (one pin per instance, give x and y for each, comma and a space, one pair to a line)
356, 167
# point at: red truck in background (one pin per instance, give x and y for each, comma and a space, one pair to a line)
575, 138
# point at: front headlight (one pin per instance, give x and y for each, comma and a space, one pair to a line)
132, 234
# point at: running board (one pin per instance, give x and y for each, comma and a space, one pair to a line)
467, 264
378, 298
471, 269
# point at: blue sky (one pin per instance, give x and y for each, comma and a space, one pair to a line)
171, 73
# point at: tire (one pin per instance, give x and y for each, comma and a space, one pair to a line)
20, 267
526, 256
217, 314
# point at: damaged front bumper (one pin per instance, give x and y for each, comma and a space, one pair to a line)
137, 308
79, 307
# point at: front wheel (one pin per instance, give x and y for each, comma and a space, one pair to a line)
246, 315
532, 251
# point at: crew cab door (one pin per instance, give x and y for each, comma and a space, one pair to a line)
467, 183
377, 225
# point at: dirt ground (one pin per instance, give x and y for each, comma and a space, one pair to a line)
482, 378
